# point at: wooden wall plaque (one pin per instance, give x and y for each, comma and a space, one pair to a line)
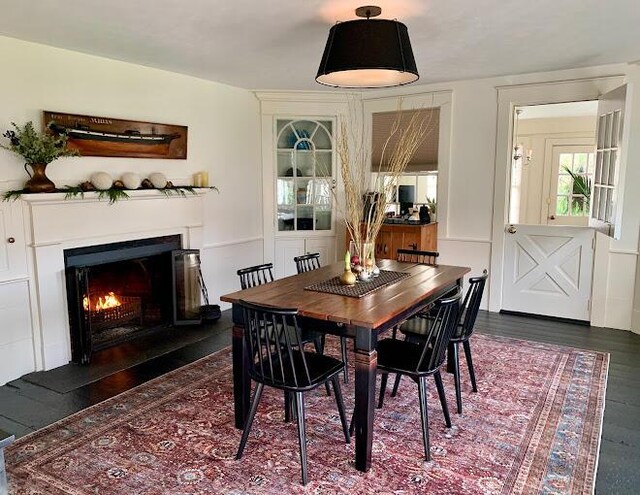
105, 136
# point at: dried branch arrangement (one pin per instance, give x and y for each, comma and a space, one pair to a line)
407, 134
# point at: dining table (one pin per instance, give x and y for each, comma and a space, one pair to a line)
364, 319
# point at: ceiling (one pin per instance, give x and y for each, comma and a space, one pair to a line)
559, 110
278, 44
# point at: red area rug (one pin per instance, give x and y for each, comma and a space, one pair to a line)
534, 427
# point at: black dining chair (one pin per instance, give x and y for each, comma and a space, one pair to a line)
307, 263
420, 258
419, 360
416, 329
286, 367
254, 276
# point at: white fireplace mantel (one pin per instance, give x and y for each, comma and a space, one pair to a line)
56, 224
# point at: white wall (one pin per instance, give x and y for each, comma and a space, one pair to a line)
224, 139
223, 124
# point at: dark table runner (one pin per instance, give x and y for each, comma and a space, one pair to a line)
360, 289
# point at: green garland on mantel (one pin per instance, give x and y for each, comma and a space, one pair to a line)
113, 194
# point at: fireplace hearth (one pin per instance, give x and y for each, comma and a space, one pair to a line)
121, 291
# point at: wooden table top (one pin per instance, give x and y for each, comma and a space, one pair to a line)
370, 311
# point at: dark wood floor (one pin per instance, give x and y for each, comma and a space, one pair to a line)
25, 406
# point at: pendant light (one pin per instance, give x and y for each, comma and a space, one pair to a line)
368, 53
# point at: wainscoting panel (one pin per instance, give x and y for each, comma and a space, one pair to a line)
221, 261
16, 340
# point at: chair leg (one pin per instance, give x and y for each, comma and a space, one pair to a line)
352, 423
443, 398
383, 387
318, 345
472, 373
289, 413
302, 436
424, 415
396, 384
345, 357
252, 412
456, 376
341, 412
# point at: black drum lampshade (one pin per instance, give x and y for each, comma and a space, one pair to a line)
368, 53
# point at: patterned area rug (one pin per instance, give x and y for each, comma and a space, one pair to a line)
533, 427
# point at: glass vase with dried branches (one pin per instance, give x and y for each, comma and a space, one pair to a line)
365, 201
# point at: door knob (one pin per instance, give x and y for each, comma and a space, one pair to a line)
512, 229
11, 240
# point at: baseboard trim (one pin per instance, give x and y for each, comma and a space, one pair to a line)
546, 317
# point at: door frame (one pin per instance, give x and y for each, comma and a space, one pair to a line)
510, 97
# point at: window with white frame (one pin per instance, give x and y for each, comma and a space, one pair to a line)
425, 183
575, 178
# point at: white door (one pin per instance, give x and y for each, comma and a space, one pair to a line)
547, 270
609, 175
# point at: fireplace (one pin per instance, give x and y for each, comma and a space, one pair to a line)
121, 291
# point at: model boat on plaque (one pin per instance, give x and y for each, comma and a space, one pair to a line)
104, 136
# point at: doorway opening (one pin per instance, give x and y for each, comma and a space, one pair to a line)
553, 163
548, 257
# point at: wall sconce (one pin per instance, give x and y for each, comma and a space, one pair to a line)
518, 149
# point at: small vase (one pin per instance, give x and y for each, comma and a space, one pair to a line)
348, 278
38, 182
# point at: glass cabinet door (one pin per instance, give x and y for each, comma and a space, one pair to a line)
304, 168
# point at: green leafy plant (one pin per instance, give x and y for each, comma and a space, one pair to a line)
433, 206
114, 194
11, 195
581, 186
36, 147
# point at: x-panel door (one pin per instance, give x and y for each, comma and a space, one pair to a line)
548, 270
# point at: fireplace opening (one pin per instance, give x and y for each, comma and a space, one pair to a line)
121, 291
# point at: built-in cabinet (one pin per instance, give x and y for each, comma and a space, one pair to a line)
299, 173
13, 257
304, 205
16, 336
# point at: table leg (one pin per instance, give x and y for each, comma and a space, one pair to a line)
366, 364
241, 380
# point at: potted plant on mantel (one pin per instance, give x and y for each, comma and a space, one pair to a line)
38, 151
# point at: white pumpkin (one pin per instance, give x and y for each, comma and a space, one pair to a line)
158, 179
101, 181
131, 180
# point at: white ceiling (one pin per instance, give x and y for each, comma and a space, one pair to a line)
278, 44
556, 110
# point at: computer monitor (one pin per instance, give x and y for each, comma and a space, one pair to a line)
406, 198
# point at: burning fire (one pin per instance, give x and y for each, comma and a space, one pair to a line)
109, 300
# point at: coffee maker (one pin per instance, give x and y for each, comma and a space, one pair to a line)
424, 214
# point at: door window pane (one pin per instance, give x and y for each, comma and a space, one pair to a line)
575, 176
